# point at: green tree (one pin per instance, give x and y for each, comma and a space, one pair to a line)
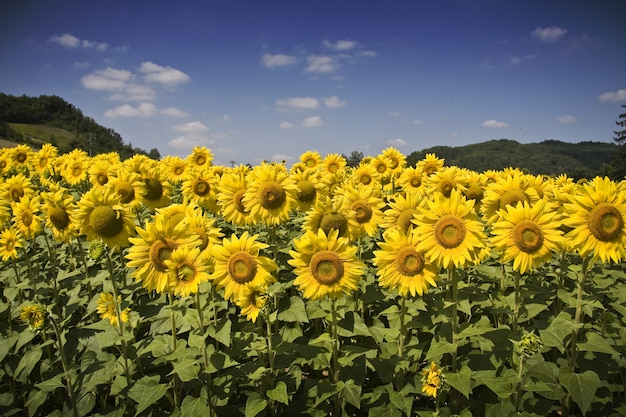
354, 159
619, 162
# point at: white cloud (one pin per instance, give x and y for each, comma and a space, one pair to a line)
167, 76
298, 103
394, 114
334, 102
548, 34
416, 122
173, 112
566, 119
191, 127
286, 125
312, 121
321, 64
108, 79
70, 41
494, 124
397, 142
613, 96
126, 110
187, 142
341, 45
134, 92
278, 60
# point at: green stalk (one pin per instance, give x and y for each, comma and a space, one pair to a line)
66, 369
208, 381
335, 341
401, 342
579, 310
118, 314
516, 308
454, 316
172, 320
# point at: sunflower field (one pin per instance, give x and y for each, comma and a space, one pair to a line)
182, 288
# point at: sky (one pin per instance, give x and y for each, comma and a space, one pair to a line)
269, 80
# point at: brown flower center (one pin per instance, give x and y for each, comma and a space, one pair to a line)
102, 178
363, 212
332, 168
272, 195
201, 188
474, 192
409, 262
415, 181
446, 187
512, 197
238, 201
326, 267
306, 191
365, 179
126, 192
186, 273
154, 189
105, 221
21, 157
335, 221
605, 222
405, 219
16, 192
199, 160
59, 217
242, 267
27, 218
161, 251
449, 231
527, 236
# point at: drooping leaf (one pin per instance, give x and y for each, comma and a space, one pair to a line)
461, 381
194, 406
582, 387
596, 343
351, 392
279, 393
147, 391
295, 313
187, 369
255, 404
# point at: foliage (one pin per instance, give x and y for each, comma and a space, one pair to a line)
550, 157
489, 340
54, 112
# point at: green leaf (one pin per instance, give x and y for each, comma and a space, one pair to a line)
325, 390
187, 369
35, 399
28, 362
194, 406
221, 333
279, 393
544, 380
296, 311
438, 347
596, 343
351, 392
582, 387
255, 404
6, 345
147, 391
461, 381
557, 331
86, 403
51, 384
402, 401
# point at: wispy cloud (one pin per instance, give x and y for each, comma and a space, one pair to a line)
334, 102
341, 45
191, 127
166, 76
145, 109
549, 33
399, 142
108, 79
312, 121
322, 64
492, 123
298, 103
613, 96
286, 125
566, 119
70, 41
278, 60
193, 134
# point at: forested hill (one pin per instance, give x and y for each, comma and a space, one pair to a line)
550, 157
35, 120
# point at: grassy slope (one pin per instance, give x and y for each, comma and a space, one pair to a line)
44, 133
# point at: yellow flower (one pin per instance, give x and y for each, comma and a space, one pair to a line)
156, 191
100, 216
325, 266
445, 180
401, 267
432, 380
33, 315
42, 161
364, 208
325, 216
176, 169
451, 235
129, 187
58, 211
100, 172
231, 189
397, 160
10, 241
155, 244
108, 307
309, 188
16, 187
507, 190
187, 269
311, 159
200, 187
252, 300
333, 164
400, 210
411, 180
238, 264
271, 195
26, 216
596, 216
75, 167
527, 235
22, 156
364, 174
429, 165
200, 157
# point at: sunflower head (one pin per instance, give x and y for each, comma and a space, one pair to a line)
432, 380
34, 315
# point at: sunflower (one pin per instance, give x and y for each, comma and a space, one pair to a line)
333, 163
238, 264
200, 157
26, 216
139, 164
397, 160
155, 244
596, 216
400, 210
475, 184
75, 167
252, 300
34, 315
271, 195
325, 265
176, 168
364, 174
156, 191
432, 380
196, 223
187, 269
200, 188
21, 158
58, 210
401, 267
445, 180
108, 308
10, 241
507, 190
429, 165
42, 161
100, 172
527, 235
5, 211
364, 207
450, 232
382, 166
311, 159
100, 216
230, 191
5, 161
309, 188
16, 187
325, 216
129, 187
411, 180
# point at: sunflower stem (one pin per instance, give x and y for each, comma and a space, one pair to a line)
118, 314
172, 320
401, 342
454, 316
579, 311
516, 307
66, 370
17, 281
335, 342
208, 378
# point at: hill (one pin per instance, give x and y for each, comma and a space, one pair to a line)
50, 119
550, 157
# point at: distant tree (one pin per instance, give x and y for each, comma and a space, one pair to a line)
354, 159
619, 161
154, 154
620, 135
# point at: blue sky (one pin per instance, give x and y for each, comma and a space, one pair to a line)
255, 80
